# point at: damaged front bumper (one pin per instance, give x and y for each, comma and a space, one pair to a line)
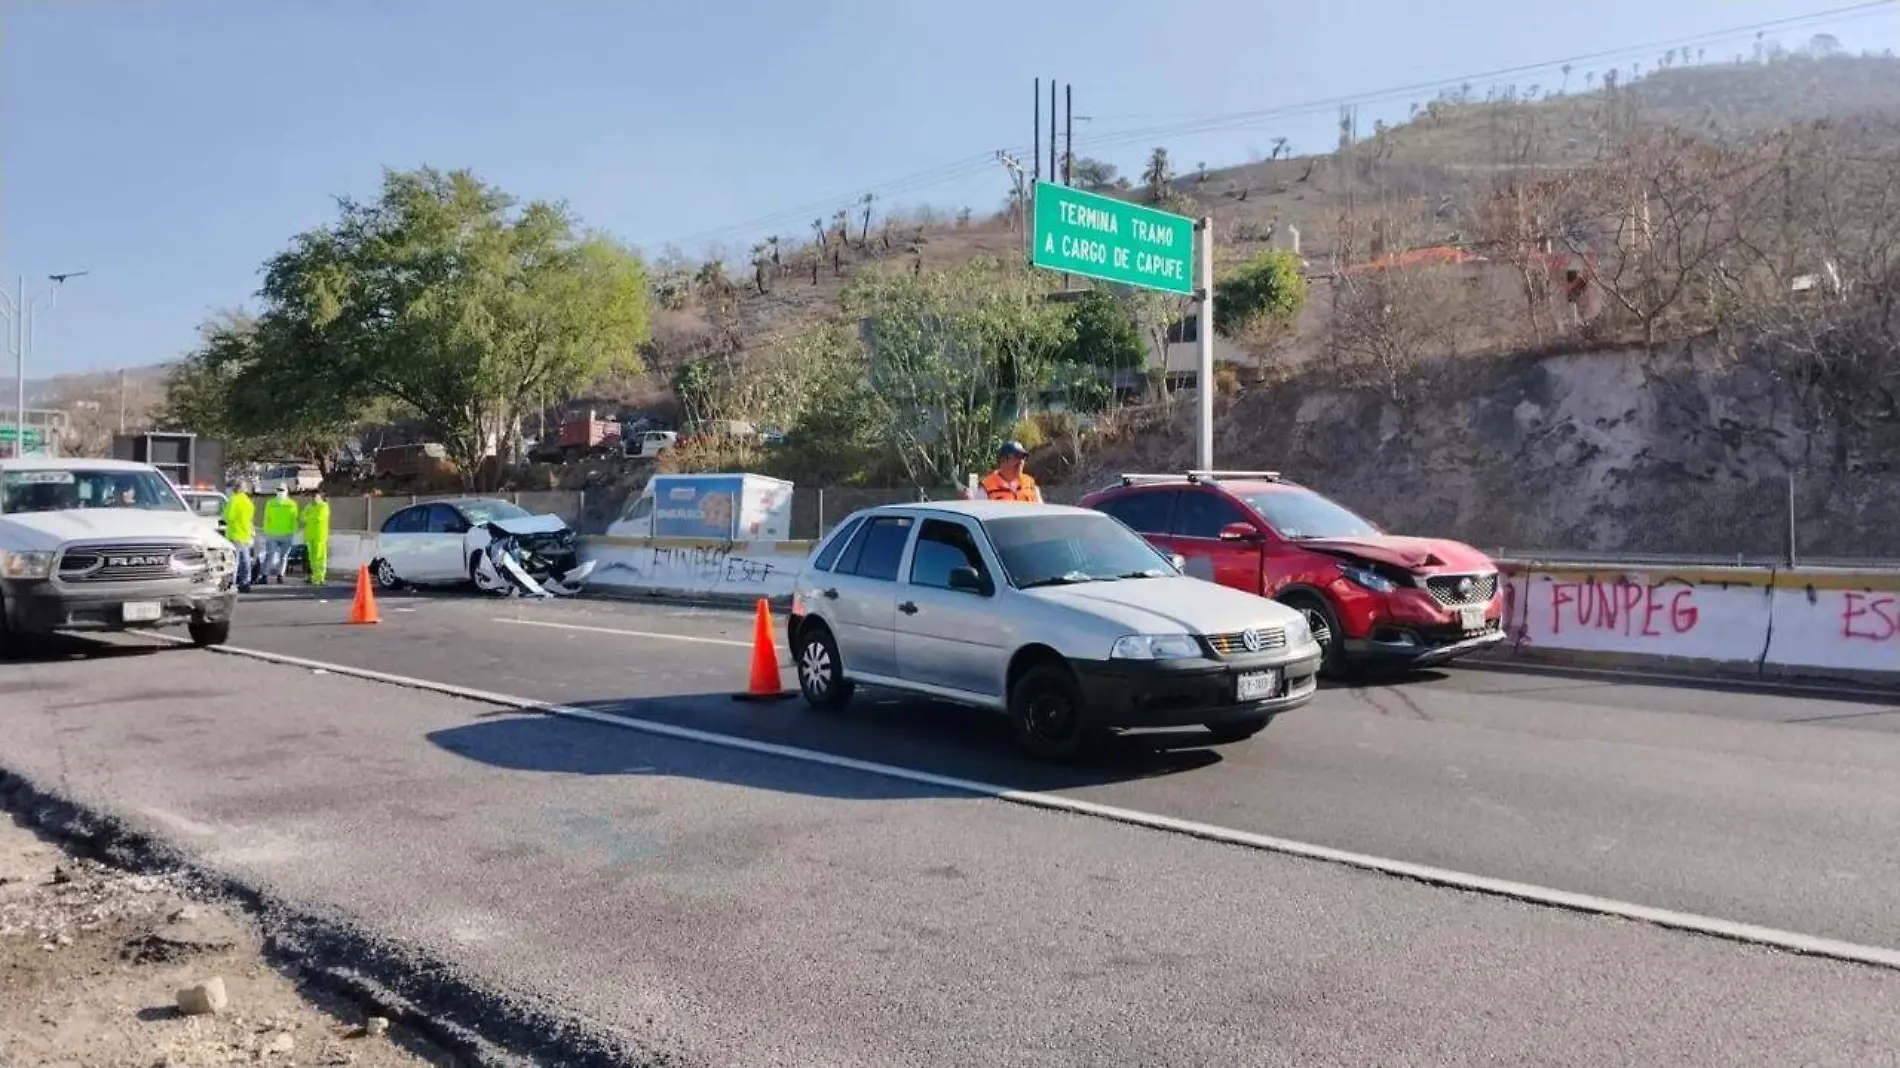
514, 566
1406, 647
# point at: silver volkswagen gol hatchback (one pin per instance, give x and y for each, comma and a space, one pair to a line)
1062, 618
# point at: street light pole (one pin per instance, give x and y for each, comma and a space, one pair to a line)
20, 314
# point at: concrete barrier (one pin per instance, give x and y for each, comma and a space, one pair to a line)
1749, 621
1765, 622
348, 550
690, 570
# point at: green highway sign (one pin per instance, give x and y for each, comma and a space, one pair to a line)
1101, 237
33, 436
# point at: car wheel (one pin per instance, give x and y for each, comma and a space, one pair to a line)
385, 574
205, 633
1226, 733
1046, 715
821, 670
1325, 626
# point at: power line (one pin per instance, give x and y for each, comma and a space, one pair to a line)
974, 165
1242, 119
940, 174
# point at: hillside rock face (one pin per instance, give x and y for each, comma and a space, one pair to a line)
1618, 451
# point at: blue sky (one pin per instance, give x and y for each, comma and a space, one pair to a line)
170, 146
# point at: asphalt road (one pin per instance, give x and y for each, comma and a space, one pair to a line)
1760, 808
746, 910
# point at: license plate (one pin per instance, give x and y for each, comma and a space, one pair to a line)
1471, 618
142, 611
1257, 685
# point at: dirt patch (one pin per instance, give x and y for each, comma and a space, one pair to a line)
92, 960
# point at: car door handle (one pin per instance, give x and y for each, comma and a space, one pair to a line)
831, 595
909, 608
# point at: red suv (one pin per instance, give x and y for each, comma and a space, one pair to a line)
1371, 597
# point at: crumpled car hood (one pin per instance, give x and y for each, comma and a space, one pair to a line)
1412, 554
534, 524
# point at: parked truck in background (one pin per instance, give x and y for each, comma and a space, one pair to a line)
710, 507
578, 436
185, 459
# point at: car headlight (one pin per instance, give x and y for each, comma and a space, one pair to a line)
1298, 631
1371, 580
27, 565
1155, 647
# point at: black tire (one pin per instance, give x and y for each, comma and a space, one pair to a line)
821, 677
1046, 715
1325, 624
384, 575
1238, 731
205, 633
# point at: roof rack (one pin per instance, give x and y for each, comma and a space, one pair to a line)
1268, 476
1132, 478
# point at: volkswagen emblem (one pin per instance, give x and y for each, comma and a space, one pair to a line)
1466, 587
1253, 640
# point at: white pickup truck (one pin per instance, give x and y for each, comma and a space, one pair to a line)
107, 545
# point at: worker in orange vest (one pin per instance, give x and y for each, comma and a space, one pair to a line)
1009, 482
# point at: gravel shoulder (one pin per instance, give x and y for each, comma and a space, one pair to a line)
93, 959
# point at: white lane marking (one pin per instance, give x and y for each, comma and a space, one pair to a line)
1715, 927
628, 633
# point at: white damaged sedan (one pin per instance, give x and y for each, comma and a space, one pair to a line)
499, 547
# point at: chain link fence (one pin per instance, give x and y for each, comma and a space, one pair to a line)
369, 513
1775, 522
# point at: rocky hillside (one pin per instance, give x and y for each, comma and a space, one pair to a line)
1688, 450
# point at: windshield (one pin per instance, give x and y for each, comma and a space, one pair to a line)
480, 512
1053, 550
59, 491
1296, 513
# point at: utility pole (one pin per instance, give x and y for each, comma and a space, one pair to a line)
20, 314
1068, 146
1035, 151
1052, 130
1015, 168
121, 401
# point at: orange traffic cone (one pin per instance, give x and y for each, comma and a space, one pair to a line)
363, 609
764, 684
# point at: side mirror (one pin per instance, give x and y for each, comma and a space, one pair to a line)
969, 580
1239, 532
1179, 561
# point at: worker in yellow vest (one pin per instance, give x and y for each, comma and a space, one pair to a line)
240, 528
280, 532
316, 536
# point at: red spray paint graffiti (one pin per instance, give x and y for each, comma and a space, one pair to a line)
1634, 609
1870, 617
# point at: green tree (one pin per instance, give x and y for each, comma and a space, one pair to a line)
1104, 339
1261, 297
447, 296
248, 385
1157, 174
1093, 173
954, 354
841, 429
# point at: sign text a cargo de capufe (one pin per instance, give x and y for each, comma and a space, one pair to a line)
1155, 254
